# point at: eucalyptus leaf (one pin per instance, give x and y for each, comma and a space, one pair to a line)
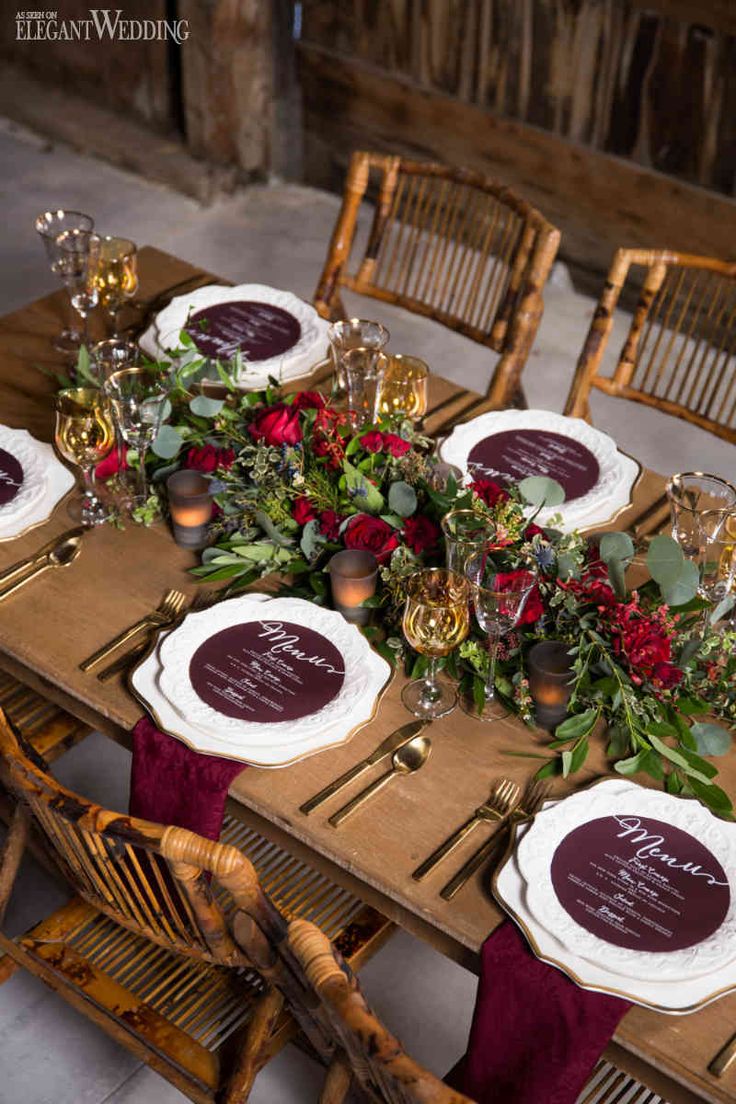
365, 494
710, 738
617, 578
566, 566
539, 490
615, 546
312, 540
204, 407
724, 606
402, 498
272, 530
167, 442
665, 560
684, 588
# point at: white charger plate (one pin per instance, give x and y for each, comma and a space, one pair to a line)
675, 998
22, 447
295, 363
280, 752
551, 826
617, 471
58, 481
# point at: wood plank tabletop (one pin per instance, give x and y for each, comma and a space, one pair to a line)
50, 626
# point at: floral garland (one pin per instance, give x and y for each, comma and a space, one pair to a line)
295, 482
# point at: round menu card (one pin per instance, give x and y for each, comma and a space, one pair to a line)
514, 454
11, 477
639, 883
259, 330
267, 671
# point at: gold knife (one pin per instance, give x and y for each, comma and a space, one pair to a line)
723, 1059
388, 747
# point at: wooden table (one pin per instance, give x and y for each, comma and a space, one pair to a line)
47, 628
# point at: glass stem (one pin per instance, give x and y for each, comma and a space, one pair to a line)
85, 329
88, 478
142, 486
490, 687
431, 690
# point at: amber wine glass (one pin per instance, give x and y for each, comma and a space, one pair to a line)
402, 387
117, 275
84, 436
436, 620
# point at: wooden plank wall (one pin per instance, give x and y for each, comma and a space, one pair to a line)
613, 116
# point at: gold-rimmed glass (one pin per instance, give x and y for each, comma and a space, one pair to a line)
357, 345
84, 436
436, 620
718, 562
79, 252
138, 397
117, 275
49, 225
699, 505
403, 383
466, 534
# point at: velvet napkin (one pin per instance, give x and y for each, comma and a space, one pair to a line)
536, 1036
171, 784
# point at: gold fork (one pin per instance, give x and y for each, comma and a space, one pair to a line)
535, 794
169, 607
504, 795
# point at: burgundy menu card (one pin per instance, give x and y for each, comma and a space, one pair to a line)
11, 477
640, 883
259, 330
514, 454
267, 671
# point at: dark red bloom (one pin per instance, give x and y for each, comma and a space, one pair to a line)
532, 530
666, 675
645, 645
329, 524
331, 448
395, 445
277, 425
491, 493
373, 441
421, 534
302, 510
112, 464
371, 534
208, 459
533, 607
308, 400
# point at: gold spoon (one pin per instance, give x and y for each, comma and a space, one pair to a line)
61, 555
405, 760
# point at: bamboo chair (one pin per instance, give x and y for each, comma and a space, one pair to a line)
679, 355
452, 245
145, 949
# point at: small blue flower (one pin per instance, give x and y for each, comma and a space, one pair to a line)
544, 555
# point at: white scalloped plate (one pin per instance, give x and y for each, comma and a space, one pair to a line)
534, 862
617, 475
21, 446
57, 482
284, 747
675, 998
296, 363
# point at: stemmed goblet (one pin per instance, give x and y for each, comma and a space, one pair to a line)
117, 275
402, 387
699, 505
500, 591
466, 534
79, 252
49, 225
356, 348
718, 563
436, 620
138, 398
84, 436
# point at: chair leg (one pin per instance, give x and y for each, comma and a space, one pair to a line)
8, 966
15, 845
337, 1081
249, 1061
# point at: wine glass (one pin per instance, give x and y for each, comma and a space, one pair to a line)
718, 562
402, 387
699, 504
49, 225
79, 251
84, 436
138, 398
436, 620
500, 591
356, 347
466, 534
117, 275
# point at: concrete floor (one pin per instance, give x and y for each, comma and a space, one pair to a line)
277, 235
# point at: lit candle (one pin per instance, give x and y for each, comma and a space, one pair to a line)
550, 681
190, 504
353, 575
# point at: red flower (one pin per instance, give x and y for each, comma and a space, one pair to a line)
666, 675
329, 524
112, 464
308, 400
491, 493
593, 590
532, 530
371, 534
394, 444
373, 441
421, 534
533, 606
302, 510
329, 447
277, 425
645, 645
208, 458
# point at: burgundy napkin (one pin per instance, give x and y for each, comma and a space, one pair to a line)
536, 1036
171, 784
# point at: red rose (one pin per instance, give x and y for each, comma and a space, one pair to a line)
666, 675
371, 534
533, 606
308, 400
394, 444
532, 530
112, 464
329, 524
208, 459
421, 534
491, 493
277, 425
302, 510
645, 646
373, 441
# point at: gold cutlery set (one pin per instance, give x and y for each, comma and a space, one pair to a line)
166, 613
59, 552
